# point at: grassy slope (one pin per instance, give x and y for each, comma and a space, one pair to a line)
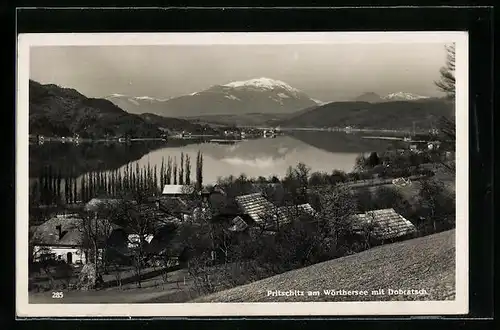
422, 263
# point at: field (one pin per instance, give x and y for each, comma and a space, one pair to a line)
423, 263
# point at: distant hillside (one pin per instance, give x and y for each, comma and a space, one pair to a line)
54, 110
176, 124
388, 115
249, 119
369, 97
57, 111
421, 263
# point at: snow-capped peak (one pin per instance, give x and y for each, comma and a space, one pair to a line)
263, 83
117, 95
404, 96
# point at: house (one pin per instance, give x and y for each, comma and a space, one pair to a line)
177, 190
257, 207
267, 215
59, 238
384, 225
62, 238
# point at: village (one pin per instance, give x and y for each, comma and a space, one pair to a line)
124, 230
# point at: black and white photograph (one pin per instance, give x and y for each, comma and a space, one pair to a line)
219, 174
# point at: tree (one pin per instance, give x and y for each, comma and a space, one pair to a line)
292, 186
181, 170
360, 163
168, 175
75, 192
337, 207
66, 189
438, 205
135, 212
59, 179
162, 173
447, 82
447, 85
373, 160
199, 170
175, 170
95, 229
389, 197
188, 170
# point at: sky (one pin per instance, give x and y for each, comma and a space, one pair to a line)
327, 72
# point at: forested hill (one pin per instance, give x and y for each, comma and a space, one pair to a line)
57, 111
398, 115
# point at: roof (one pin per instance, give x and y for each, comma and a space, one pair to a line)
238, 225
71, 229
177, 189
256, 206
302, 209
261, 210
386, 223
286, 214
48, 233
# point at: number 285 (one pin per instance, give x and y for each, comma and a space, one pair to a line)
57, 295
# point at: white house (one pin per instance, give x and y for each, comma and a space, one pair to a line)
62, 238
59, 238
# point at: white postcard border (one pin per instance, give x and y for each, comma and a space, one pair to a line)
458, 306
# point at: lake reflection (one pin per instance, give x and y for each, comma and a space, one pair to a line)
321, 151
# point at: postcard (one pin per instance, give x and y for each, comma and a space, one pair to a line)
242, 174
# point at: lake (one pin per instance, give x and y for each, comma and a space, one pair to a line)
321, 151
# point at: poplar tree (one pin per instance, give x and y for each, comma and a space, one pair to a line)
155, 180
59, 182
75, 192
66, 188
181, 170
199, 170
162, 175
188, 170
168, 179
175, 170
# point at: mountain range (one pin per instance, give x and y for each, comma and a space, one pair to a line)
260, 95
62, 111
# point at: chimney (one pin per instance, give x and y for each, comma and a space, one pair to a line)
59, 230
